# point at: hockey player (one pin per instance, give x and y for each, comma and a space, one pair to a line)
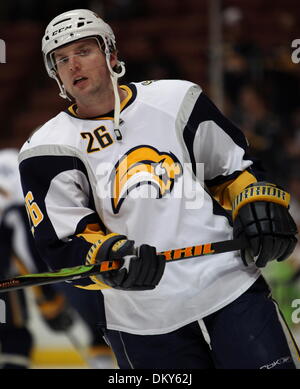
131, 170
19, 255
15, 338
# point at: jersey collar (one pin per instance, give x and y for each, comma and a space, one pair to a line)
131, 95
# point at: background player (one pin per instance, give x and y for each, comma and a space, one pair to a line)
19, 256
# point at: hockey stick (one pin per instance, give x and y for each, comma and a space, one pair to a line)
81, 350
77, 272
92, 362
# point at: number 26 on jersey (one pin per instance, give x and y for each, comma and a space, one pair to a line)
33, 210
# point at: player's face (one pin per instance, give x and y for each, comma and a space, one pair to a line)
82, 68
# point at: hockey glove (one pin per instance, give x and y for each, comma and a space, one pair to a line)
141, 269
56, 312
261, 217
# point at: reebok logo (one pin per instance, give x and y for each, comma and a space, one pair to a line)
279, 361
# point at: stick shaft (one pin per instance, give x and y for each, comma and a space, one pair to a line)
203, 249
51, 277
77, 272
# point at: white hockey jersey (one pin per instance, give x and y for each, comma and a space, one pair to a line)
153, 187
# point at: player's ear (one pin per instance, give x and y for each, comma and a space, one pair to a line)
113, 59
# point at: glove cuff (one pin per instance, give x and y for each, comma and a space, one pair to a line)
100, 251
260, 191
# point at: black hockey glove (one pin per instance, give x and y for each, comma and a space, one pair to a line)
261, 217
141, 268
56, 312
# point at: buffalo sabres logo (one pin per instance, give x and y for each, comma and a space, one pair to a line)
143, 165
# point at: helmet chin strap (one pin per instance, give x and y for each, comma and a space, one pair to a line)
114, 79
62, 90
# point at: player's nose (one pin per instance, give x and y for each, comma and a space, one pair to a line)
74, 63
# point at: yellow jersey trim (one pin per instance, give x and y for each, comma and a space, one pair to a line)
123, 104
226, 193
95, 286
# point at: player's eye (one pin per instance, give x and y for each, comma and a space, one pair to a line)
62, 61
84, 52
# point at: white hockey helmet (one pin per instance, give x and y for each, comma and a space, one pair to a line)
77, 24
71, 26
